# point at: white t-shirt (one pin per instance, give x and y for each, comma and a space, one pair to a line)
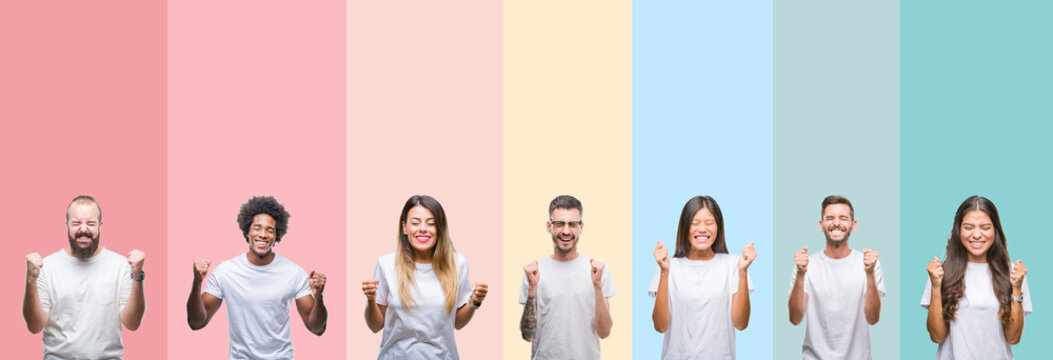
700, 294
258, 299
835, 324
83, 299
566, 308
976, 332
424, 331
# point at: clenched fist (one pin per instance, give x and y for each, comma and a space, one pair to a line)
478, 292
661, 255
869, 259
136, 259
1016, 276
369, 287
748, 254
33, 265
935, 269
597, 272
201, 269
317, 283
800, 258
532, 277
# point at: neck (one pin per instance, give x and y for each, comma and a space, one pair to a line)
837, 250
256, 259
565, 256
696, 254
422, 257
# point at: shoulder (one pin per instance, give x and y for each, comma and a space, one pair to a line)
110, 256
459, 259
56, 256
386, 260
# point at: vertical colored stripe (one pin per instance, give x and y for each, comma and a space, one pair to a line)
836, 132
256, 102
424, 117
975, 122
702, 125
567, 130
82, 98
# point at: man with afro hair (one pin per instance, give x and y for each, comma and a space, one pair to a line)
258, 286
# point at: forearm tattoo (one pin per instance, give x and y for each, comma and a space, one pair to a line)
528, 324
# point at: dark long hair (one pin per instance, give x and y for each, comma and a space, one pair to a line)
683, 231
953, 287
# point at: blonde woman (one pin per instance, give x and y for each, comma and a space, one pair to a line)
420, 293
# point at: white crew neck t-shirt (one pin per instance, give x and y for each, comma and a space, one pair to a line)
976, 332
835, 324
700, 296
425, 331
258, 299
83, 299
566, 309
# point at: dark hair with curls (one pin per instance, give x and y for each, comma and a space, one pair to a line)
263, 205
683, 231
953, 287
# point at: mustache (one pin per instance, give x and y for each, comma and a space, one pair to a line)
83, 233
837, 227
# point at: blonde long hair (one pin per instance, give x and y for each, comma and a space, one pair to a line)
443, 260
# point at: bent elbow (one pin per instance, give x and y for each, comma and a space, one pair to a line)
528, 337
660, 328
743, 325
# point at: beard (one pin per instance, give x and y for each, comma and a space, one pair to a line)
557, 242
82, 252
836, 242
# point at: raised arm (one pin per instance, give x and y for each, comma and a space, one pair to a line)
200, 306
32, 311
528, 322
603, 321
312, 308
135, 308
660, 315
740, 304
872, 301
464, 314
934, 323
1015, 328
798, 297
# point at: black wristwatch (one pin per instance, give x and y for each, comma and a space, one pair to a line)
141, 277
475, 304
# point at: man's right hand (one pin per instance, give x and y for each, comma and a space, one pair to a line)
532, 277
801, 259
661, 255
935, 272
369, 287
201, 269
33, 265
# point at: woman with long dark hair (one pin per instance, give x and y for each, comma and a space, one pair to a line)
976, 302
702, 294
420, 293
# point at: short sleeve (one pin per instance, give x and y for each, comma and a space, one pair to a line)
1026, 293
43, 292
214, 284
656, 279
382, 284
302, 283
124, 280
608, 283
524, 289
464, 290
879, 279
926, 296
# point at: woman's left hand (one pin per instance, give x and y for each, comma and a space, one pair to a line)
1016, 276
479, 292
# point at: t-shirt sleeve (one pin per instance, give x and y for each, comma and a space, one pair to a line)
524, 289
464, 289
214, 284
382, 284
1026, 293
608, 283
926, 296
652, 290
879, 278
42, 291
125, 283
302, 283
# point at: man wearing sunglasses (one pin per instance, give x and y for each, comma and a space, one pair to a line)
566, 309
